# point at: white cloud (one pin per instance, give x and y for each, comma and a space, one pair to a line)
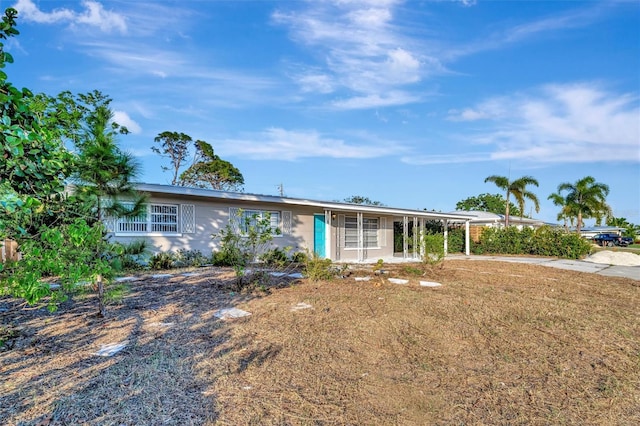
28, 11
123, 119
403, 66
575, 18
495, 109
93, 15
360, 50
560, 123
461, 158
282, 144
316, 82
376, 100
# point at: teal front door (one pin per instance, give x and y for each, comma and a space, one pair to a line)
319, 235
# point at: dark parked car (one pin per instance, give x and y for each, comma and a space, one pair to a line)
627, 241
610, 240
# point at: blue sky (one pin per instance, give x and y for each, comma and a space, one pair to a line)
409, 103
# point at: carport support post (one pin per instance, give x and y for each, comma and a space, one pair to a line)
405, 237
327, 234
416, 239
445, 223
421, 239
467, 243
360, 237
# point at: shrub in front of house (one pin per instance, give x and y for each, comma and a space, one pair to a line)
433, 245
317, 268
189, 258
275, 257
161, 261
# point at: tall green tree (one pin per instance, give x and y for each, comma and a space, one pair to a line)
493, 203
586, 199
210, 171
517, 188
52, 236
104, 176
175, 146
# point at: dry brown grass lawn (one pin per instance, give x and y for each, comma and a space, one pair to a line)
498, 343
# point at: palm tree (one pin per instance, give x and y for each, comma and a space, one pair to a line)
566, 213
517, 188
587, 199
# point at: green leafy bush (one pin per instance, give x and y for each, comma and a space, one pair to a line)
455, 240
131, 256
299, 257
433, 245
184, 258
317, 268
59, 252
242, 241
275, 257
162, 260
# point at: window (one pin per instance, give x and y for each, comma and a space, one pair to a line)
369, 231
250, 218
164, 218
159, 219
133, 224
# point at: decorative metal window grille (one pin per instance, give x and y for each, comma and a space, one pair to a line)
188, 218
286, 223
161, 218
133, 224
164, 218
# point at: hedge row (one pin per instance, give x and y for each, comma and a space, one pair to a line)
544, 241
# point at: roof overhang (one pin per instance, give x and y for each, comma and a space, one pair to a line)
325, 205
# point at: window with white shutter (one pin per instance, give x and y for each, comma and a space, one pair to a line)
369, 229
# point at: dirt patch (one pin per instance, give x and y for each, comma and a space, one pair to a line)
496, 343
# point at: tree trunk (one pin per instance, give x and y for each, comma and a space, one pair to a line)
102, 311
506, 215
579, 224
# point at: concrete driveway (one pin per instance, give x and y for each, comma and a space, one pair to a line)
632, 272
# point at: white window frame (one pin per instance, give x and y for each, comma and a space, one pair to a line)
352, 221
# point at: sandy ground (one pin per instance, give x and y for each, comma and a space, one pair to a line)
614, 258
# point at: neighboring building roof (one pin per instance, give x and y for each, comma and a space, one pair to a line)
598, 229
328, 205
479, 216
